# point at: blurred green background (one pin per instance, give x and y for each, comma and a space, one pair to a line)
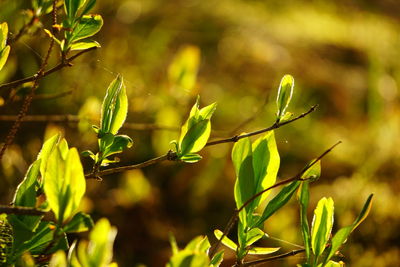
344, 56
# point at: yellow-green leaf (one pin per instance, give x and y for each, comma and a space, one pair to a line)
262, 251
322, 225
226, 241
87, 26
266, 163
64, 181
114, 108
182, 72
285, 93
85, 44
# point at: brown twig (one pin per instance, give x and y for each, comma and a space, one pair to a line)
24, 28
276, 125
68, 118
252, 117
65, 63
277, 257
236, 212
168, 156
165, 156
28, 99
21, 210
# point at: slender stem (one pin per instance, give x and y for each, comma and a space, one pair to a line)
68, 118
277, 257
28, 99
24, 28
168, 156
21, 210
236, 212
65, 63
276, 125
165, 157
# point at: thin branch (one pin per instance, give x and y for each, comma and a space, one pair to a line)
168, 156
21, 210
251, 118
68, 118
66, 63
236, 212
276, 125
173, 157
23, 29
52, 96
28, 99
277, 257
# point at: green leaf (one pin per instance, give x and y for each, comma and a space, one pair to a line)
59, 259
4, 48
266, 163
114, 108
313, 173
42, 6
64, 181
174, 245
90, 4
87, 153
40, 240
120, 143
245, 185
303, 198
25, 196
217, 259
191, 158
4, 55
278, 201
333, 264
253, 236
81, 222
226, 241
341, 236
71, 7
285, 93
45, 152
182, 72
322, 225
187, 258
3, 35
99, 250
196, 130
86, 27
198, 244
83, 45
262, 251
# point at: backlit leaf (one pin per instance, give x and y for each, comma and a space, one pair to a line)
322, 225
341, 236
278, 201
226, 241
285, 93
114, 108
86, 27
85, 44
303, 198
266, 163
244, 186
262, 251
81, 222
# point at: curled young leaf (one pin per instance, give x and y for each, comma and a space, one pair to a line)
285, 93
196, 130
